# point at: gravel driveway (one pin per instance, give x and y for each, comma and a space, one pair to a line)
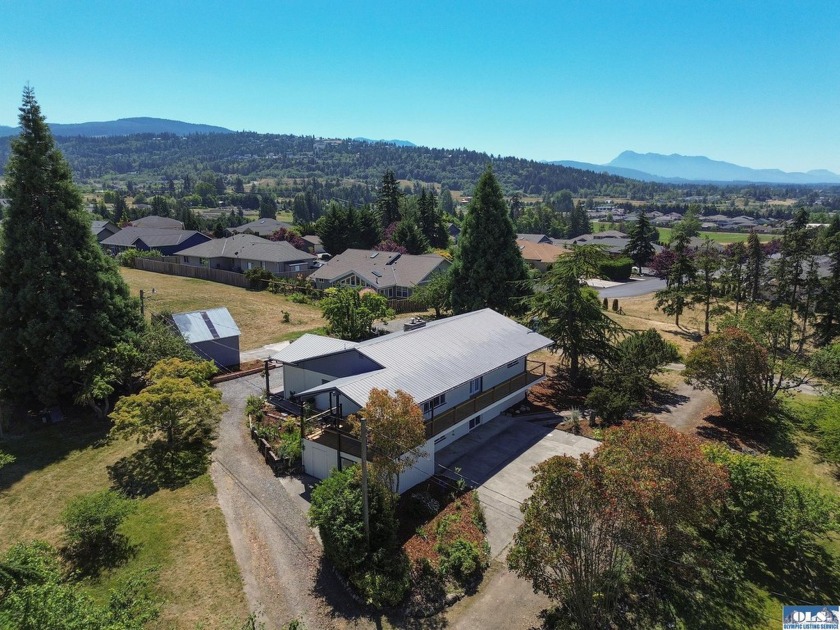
278, 556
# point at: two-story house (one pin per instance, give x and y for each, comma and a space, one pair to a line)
463, 371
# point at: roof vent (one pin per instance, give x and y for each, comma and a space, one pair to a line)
414, 323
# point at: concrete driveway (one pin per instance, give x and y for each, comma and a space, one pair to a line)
497, 457
632, 288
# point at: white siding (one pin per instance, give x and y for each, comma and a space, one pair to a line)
487, 414
298, 380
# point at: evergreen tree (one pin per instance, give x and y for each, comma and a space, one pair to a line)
640, 249
431, 221
733, 277
707, 261
62, 301
268, 207
446, 205
488, 270
409, 235
579, 222
789, 271
674, 299
366, 230
238, 186
754, 269
828, 326
120, 210
388, 202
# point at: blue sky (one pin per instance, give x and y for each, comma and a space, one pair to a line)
756, 83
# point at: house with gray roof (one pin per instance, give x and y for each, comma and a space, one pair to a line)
462, 371
260, 227
160, 223
246, 251
167, 242
103, 229
212, 334
391, 274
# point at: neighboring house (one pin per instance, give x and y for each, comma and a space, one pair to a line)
260, 227
612, 241
103, 229
159, 223
167, 242
454, 231
212, 334
313, 242
533, 238
391, 274
462, 371
245, 251
540, 255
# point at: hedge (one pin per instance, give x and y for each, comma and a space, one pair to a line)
616, 269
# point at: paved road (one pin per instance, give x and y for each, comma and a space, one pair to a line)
632, 289
278, 555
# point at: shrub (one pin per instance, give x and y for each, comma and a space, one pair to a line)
385, 582
290, 445
826, 363
616, 269
127, 257
609, 403
615, 305
254, 407
258, 278
606, 305
300, 298
461, 559
90, 528
477, 515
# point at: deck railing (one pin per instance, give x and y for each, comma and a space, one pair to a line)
338, 439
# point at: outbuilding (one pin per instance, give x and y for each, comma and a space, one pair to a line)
212, 334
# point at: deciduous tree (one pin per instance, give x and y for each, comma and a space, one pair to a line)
351, 313
396, 433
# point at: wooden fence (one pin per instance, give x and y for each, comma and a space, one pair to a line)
192, 271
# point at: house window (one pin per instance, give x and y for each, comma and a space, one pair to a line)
513, 363
437, 401
402, 292
475, 386
474, 422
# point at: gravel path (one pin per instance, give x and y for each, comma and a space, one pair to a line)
278, 556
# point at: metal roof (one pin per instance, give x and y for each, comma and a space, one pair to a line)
428, 361
310, 346
198, 326
392, 269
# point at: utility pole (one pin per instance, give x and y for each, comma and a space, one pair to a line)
142, 303
365, 514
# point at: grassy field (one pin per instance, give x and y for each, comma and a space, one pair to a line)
259, 314
720, 237
181, 532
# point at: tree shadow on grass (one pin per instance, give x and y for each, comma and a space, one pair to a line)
773, 436
559, 392
662, 400
36, 446
90, 565
155, 466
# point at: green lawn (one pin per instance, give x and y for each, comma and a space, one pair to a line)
181, 532
720, 237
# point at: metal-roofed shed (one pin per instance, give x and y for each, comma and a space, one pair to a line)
212, 334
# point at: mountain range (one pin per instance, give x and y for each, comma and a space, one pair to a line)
124, 127
681, 169
646, 167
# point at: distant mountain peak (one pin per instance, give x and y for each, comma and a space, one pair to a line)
702, 168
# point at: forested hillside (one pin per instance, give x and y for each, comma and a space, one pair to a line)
256, 155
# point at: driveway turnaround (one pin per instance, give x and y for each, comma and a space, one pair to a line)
632, 289
497, 458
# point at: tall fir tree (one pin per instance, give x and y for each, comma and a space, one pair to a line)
828, 300
488, 270
388, 202
639, 247
63, 303
754, 268
674, 299
579, 222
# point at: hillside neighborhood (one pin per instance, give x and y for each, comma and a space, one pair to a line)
481, 408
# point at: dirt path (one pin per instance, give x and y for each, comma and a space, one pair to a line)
685, 407
278, 556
